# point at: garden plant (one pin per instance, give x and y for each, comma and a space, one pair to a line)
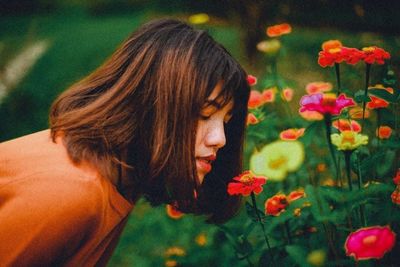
322, 186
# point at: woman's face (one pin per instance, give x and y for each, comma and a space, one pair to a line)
210, 133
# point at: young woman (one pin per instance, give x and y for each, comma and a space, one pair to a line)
163, 118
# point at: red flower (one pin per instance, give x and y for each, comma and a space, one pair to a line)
276, 205
329, 58
383, 132
331, 44
278, 30
291, 134
370, 242
352, 55
173, 212
325, 103
255, 99
332, 54
268, 95
295, 195
251, 80
246, 183
374, 54
345, 125
377, 102
287, 94
396, 196
252, 119
396, 179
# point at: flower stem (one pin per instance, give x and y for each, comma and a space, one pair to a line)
367, 74
253, 200
359, 179
328, 123
347, 156
337, 72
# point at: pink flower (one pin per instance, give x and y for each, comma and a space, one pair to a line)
370, 242
325, 103
246, 183
251, 80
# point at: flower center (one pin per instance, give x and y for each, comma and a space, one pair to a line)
369, 240
334, 50
348, 137
368, 49
247, 179
277, 163
329, 100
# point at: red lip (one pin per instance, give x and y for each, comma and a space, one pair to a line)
204, 164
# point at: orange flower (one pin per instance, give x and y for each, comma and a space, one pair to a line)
295, 195
384, 132
276, 205
377, 102
338, 54
268, 95
331, 44
246, 183
356, 113
173, 212
311, 115
201, 239
251, 80
278, 30
318, 87
287, 94
255, 99
396, 196
252, 119
374, 54
291, 134
345, 125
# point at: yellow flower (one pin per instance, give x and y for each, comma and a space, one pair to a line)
316, 258
278, 158
270, 47
201, 239
175, 251
200, 18
348, 140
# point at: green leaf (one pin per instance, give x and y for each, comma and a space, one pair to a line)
251, 212
319, 206
298, 254
360, 97
381, 93
385, 163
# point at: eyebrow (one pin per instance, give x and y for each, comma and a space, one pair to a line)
213, 102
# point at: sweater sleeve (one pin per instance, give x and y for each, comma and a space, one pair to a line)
43, 222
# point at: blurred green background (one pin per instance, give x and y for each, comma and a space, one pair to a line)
45, 46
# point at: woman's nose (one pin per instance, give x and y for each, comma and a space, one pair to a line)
216, 135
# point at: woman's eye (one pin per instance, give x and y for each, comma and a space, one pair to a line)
204, 117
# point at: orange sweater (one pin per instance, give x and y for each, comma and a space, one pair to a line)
52, 212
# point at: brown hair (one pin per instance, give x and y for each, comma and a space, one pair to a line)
135, 118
